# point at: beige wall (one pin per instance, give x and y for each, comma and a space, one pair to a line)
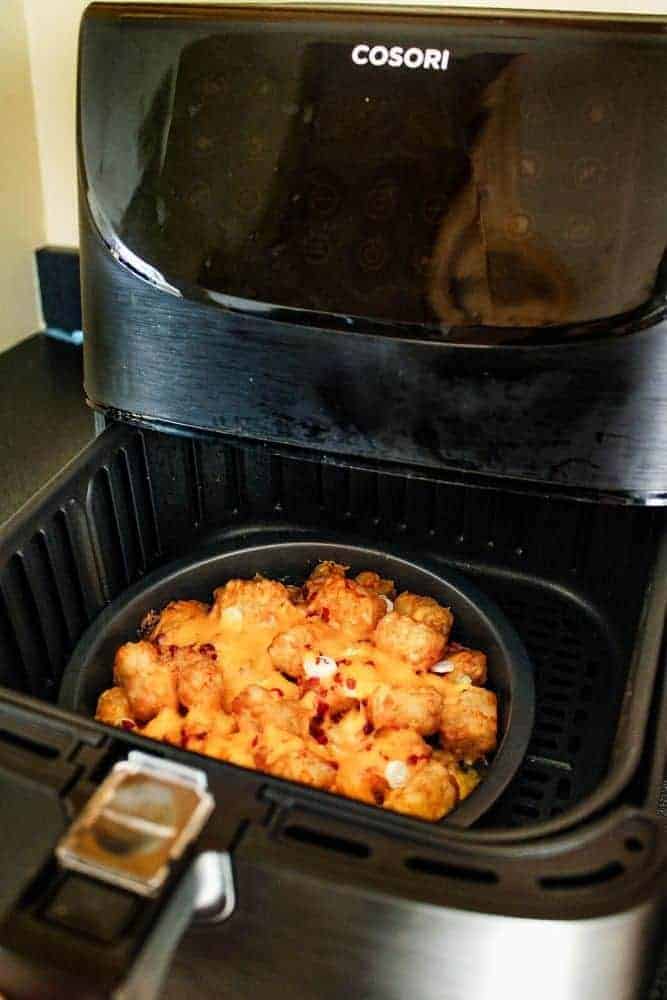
21, 225
53, 27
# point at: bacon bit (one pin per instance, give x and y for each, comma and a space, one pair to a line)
128, 724
337, 716
255, 742
368, 728
369, 663
350, 683
312, 682
172, 650
208, 649
344, 662
322, 708
317, 732
308, 645
338, 677
278, 692
334, 764
414, 758
378, 789
325, 614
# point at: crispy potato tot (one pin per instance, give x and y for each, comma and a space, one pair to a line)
178, 624
346, 605
243, 603
430, 793
288, 650
147, 678
323, 571
417, 644
235, 748
306, 767
167, 726
425, 610
406, 708
113, 707
200, 682
262, 708
360, 777
469, 726
201, 722
466, 663
375, 583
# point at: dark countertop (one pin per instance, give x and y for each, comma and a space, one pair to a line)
44, 420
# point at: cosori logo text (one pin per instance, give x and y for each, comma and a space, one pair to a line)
396, 55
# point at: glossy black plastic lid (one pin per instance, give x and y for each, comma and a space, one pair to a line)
478, 622
436, 173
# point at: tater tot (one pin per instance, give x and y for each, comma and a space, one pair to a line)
289, 649
243, 603
360, 777
147, 678
429, 793
417, 644
201, 721
322, 572
167, 725
347, 606
263, 707
466, 663
469, 726
406, 708
178, 624
235, 748
306, 767
401, 744
200, 682
375, 583
425, 610
113, 707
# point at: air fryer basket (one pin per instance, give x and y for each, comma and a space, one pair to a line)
585, 586
478, 622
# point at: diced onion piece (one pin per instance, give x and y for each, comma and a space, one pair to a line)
319, 666
396, 773
443, 667
388, 602
232, 616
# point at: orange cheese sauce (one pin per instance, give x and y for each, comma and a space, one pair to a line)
325, 684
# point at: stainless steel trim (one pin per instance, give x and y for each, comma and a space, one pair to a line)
327, 940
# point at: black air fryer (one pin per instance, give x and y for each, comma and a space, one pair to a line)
383, 284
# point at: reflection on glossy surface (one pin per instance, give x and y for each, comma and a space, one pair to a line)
248, 156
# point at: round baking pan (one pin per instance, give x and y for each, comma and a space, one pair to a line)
478, 623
